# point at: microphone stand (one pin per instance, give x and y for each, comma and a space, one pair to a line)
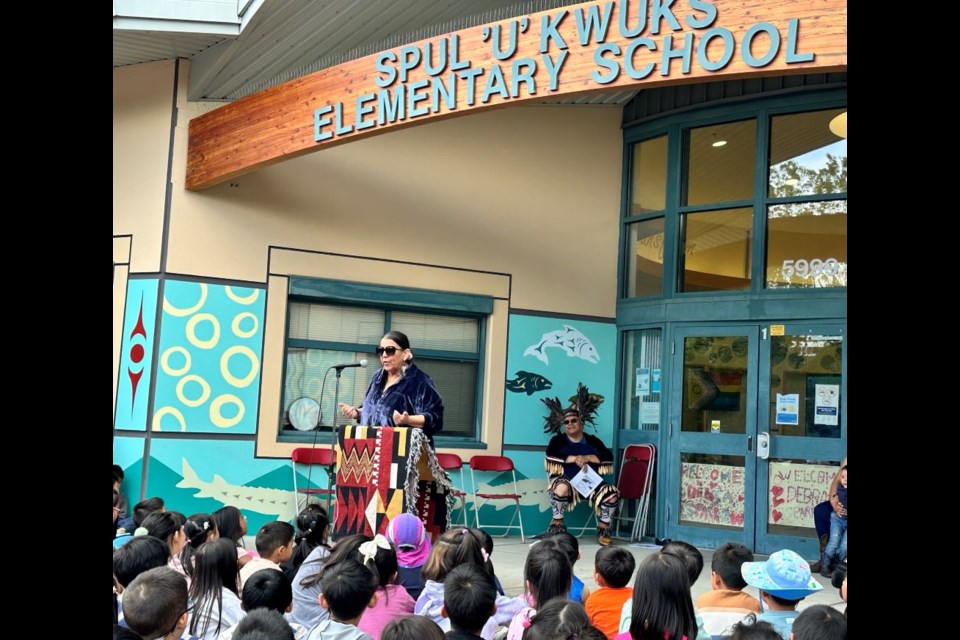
336, 436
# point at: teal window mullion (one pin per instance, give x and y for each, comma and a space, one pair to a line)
672, 259
758, 254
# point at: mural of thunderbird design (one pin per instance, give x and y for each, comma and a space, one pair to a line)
211, 340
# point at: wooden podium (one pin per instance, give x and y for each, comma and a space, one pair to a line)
383, 472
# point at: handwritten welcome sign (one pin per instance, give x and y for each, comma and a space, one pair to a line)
570, 51
795, 489
711, 493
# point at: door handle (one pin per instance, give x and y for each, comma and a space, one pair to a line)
763, 445
749, 443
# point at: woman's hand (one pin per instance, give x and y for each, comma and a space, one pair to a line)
349, 412
837, 506
406, 420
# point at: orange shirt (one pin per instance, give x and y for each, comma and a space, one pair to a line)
728, 598
604, 606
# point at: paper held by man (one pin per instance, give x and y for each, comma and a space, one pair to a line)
586, 481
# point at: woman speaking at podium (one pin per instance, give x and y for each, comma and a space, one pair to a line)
400, 394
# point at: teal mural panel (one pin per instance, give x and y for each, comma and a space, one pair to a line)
136, 355
128, 453
547, 358
200, 476
211, 341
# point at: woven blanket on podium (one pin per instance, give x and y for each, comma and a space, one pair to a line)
383, 472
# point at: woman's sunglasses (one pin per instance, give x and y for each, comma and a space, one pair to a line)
387, 350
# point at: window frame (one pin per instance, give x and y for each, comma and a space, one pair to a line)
388, 299
676, 127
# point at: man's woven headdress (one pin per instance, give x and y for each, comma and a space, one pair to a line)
583, 403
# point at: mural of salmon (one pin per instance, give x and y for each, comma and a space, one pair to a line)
533, 492
529, 383
260, 499
570, 340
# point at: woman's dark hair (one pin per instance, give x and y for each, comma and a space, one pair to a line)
312, 526
227, 520
215, 568
453, 548
197, 528
662, 607
400, 338
558, 619
344, 548
161, 524
549, 573
412, 627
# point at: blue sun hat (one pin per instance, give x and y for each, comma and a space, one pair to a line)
785, 575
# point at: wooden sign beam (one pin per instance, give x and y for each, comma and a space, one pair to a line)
605, 45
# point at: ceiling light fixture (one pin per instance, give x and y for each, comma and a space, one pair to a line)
839, 125
717, 143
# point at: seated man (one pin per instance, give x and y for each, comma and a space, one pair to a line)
572, 451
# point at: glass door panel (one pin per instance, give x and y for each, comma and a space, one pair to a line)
803, 394
712, 460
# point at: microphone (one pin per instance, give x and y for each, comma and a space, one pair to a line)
341, 367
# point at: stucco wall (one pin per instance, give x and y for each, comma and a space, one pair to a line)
142, 105
529, 191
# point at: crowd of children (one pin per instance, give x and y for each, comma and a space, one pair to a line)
192, 578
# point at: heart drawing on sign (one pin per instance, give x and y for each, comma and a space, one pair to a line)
778, 501
776, 490
776, 516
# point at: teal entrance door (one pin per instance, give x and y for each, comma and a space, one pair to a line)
802, 393
757, 425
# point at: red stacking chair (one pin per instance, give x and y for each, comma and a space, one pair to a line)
319, 456
449, 462
495, 464
636, 476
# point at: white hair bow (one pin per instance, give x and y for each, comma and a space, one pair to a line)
368, 550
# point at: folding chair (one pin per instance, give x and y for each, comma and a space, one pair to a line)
449, 462
636, 476
320, 456
495, 464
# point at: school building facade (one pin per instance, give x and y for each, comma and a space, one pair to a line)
645, 197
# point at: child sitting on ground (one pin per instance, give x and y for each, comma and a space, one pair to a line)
214, 589
453, 549
267, 589
412, 542
262, 624
614, 567
579, 592
726, 581
306, 585
346, 591
820, 622
413, 628
547, 574
393, 601
469, 599
783, 580
274, 544
312, 526
232, 525
156, 604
